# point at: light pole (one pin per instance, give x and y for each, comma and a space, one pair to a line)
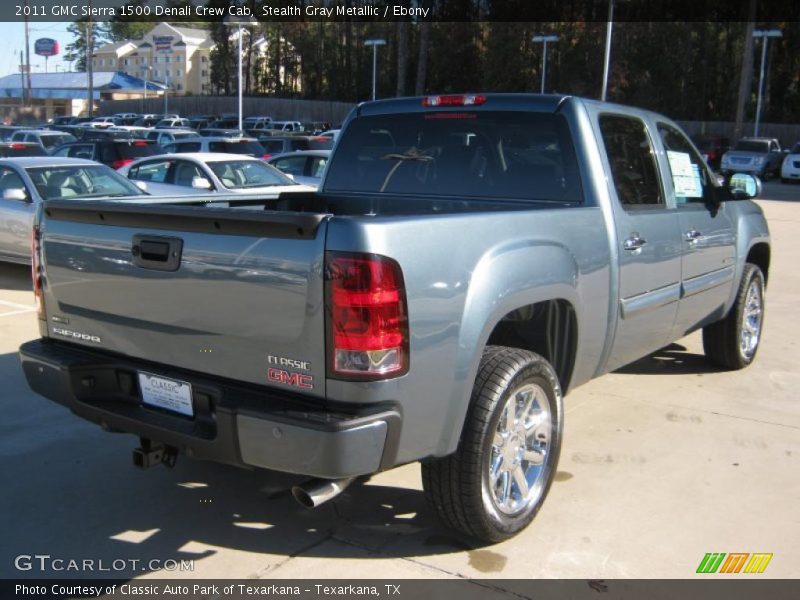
374, 42
166, 93
544, 39
607, 59
144, 96
766, 34
238, 22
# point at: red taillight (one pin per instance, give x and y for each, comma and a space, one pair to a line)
460, 100
140, 143
266, 156
118, 164
18, 146
36, 272
366, 317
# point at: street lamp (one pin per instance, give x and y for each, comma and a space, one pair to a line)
607, 58
374, 42
166, 92
144, 96
766, 34
238, 22
544, 39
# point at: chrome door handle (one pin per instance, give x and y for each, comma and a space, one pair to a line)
634, 242
693, 235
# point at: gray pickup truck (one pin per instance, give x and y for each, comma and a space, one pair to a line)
467, 261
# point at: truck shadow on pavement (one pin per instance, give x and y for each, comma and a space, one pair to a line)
15, 277
71, 491
670, 360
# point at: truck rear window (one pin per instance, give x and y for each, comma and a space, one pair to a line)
480, 154
138, 149
237, 147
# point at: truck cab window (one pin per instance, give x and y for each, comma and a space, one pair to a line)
633, 165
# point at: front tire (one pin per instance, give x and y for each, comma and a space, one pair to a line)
495, 483
733, 342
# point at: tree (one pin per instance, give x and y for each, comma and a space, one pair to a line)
402, 57
422, 58
121, 28
76, 50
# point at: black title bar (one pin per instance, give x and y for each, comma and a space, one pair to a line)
762, 11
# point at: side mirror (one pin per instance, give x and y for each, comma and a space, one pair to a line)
201, 183
290, 176
743, 186
142, 185
15, 194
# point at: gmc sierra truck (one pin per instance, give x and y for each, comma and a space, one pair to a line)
467, 260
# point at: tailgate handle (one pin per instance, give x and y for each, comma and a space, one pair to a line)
156, 252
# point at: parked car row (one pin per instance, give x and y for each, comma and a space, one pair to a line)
761, 156
208, 172
75, 173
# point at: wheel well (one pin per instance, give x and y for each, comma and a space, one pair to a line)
548, 328
759, 256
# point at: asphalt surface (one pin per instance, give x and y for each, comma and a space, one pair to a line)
663, 461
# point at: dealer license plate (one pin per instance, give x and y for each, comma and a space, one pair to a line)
169, 394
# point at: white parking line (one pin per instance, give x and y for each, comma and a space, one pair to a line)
16, 305
17, 312
18, 309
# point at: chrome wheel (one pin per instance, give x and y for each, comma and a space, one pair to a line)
521, 450
751, 320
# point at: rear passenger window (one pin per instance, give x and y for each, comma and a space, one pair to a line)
273, 146
85, 151
690, 179
293, 165
633, 165
151, 171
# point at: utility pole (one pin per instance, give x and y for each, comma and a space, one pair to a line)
21, 80
746, 72
29, 93
90, 59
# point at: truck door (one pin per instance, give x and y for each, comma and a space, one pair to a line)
648, 239
708, 239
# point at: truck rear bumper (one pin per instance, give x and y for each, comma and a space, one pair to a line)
233, 424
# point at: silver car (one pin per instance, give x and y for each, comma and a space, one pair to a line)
165, 136
25, 182
209, 172
48, 140
305, 166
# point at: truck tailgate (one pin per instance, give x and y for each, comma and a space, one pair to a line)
231, 292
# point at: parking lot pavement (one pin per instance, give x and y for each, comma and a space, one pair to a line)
663, 461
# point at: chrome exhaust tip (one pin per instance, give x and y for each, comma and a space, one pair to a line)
318, 491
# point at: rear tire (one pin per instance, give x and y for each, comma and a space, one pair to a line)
733, 342
495, 483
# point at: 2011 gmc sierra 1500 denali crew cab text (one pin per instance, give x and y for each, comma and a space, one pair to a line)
467, 260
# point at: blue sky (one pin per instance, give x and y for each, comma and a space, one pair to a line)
13, 37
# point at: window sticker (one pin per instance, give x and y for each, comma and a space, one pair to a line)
685, 176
